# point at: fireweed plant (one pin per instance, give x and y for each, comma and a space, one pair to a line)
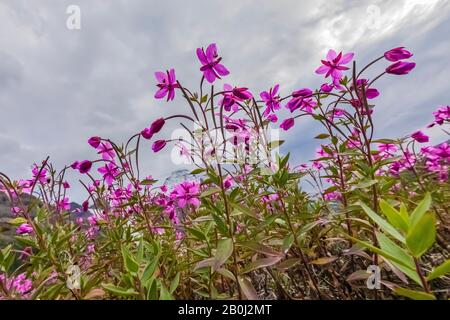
244, 229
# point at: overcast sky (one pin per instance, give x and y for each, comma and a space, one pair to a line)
59, 86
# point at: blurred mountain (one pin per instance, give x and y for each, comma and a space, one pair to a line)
178, 176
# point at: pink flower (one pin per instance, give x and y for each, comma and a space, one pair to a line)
63, 204
271, 99
400, 68
24, 228
211, 67
371, 93
443, 151
333, 65
106, 150
441, 115
167, 83
397, 54
228, 182
110, 171
93, 221
94, 141
387, 147
158, 145
16, 210
85, 205
420, 137
297, 98
91, 248
272, 117
233, 95
287, 124
21, 284
326, 87
186, 193
39, 175
66, 185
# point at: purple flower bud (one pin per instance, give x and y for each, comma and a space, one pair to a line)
400, 68
420, 137
94, 141
157, 125
158, 145
287, 124
397, 54
146, 133
85, 166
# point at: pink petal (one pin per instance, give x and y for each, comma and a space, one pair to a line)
347, 58
161, 76
265, 96
322, 69
336, 74
275, 89
221, 70
211, 52
172, 77
209, 75
171, 95
161, 93
331, 55
201, 56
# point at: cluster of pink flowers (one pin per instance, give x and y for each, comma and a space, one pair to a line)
437, 160
441, 116
20, 284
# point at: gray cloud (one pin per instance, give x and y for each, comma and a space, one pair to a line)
60, 86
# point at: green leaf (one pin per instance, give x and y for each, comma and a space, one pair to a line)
220, 224
119, 291
149, 270
286, 264
261, 248
197, 233
164, 293
324, 260
422, 235
223, 252
247, 288
439, 271
391, 248
415, 295
209, 192
197, 171
384, 225
275, 144
378, 251
322, 136
393, 216
226, 273
17, 221
147, 182
129, 261
174, 284
287, 242
261, 263
366, 184
420, 210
